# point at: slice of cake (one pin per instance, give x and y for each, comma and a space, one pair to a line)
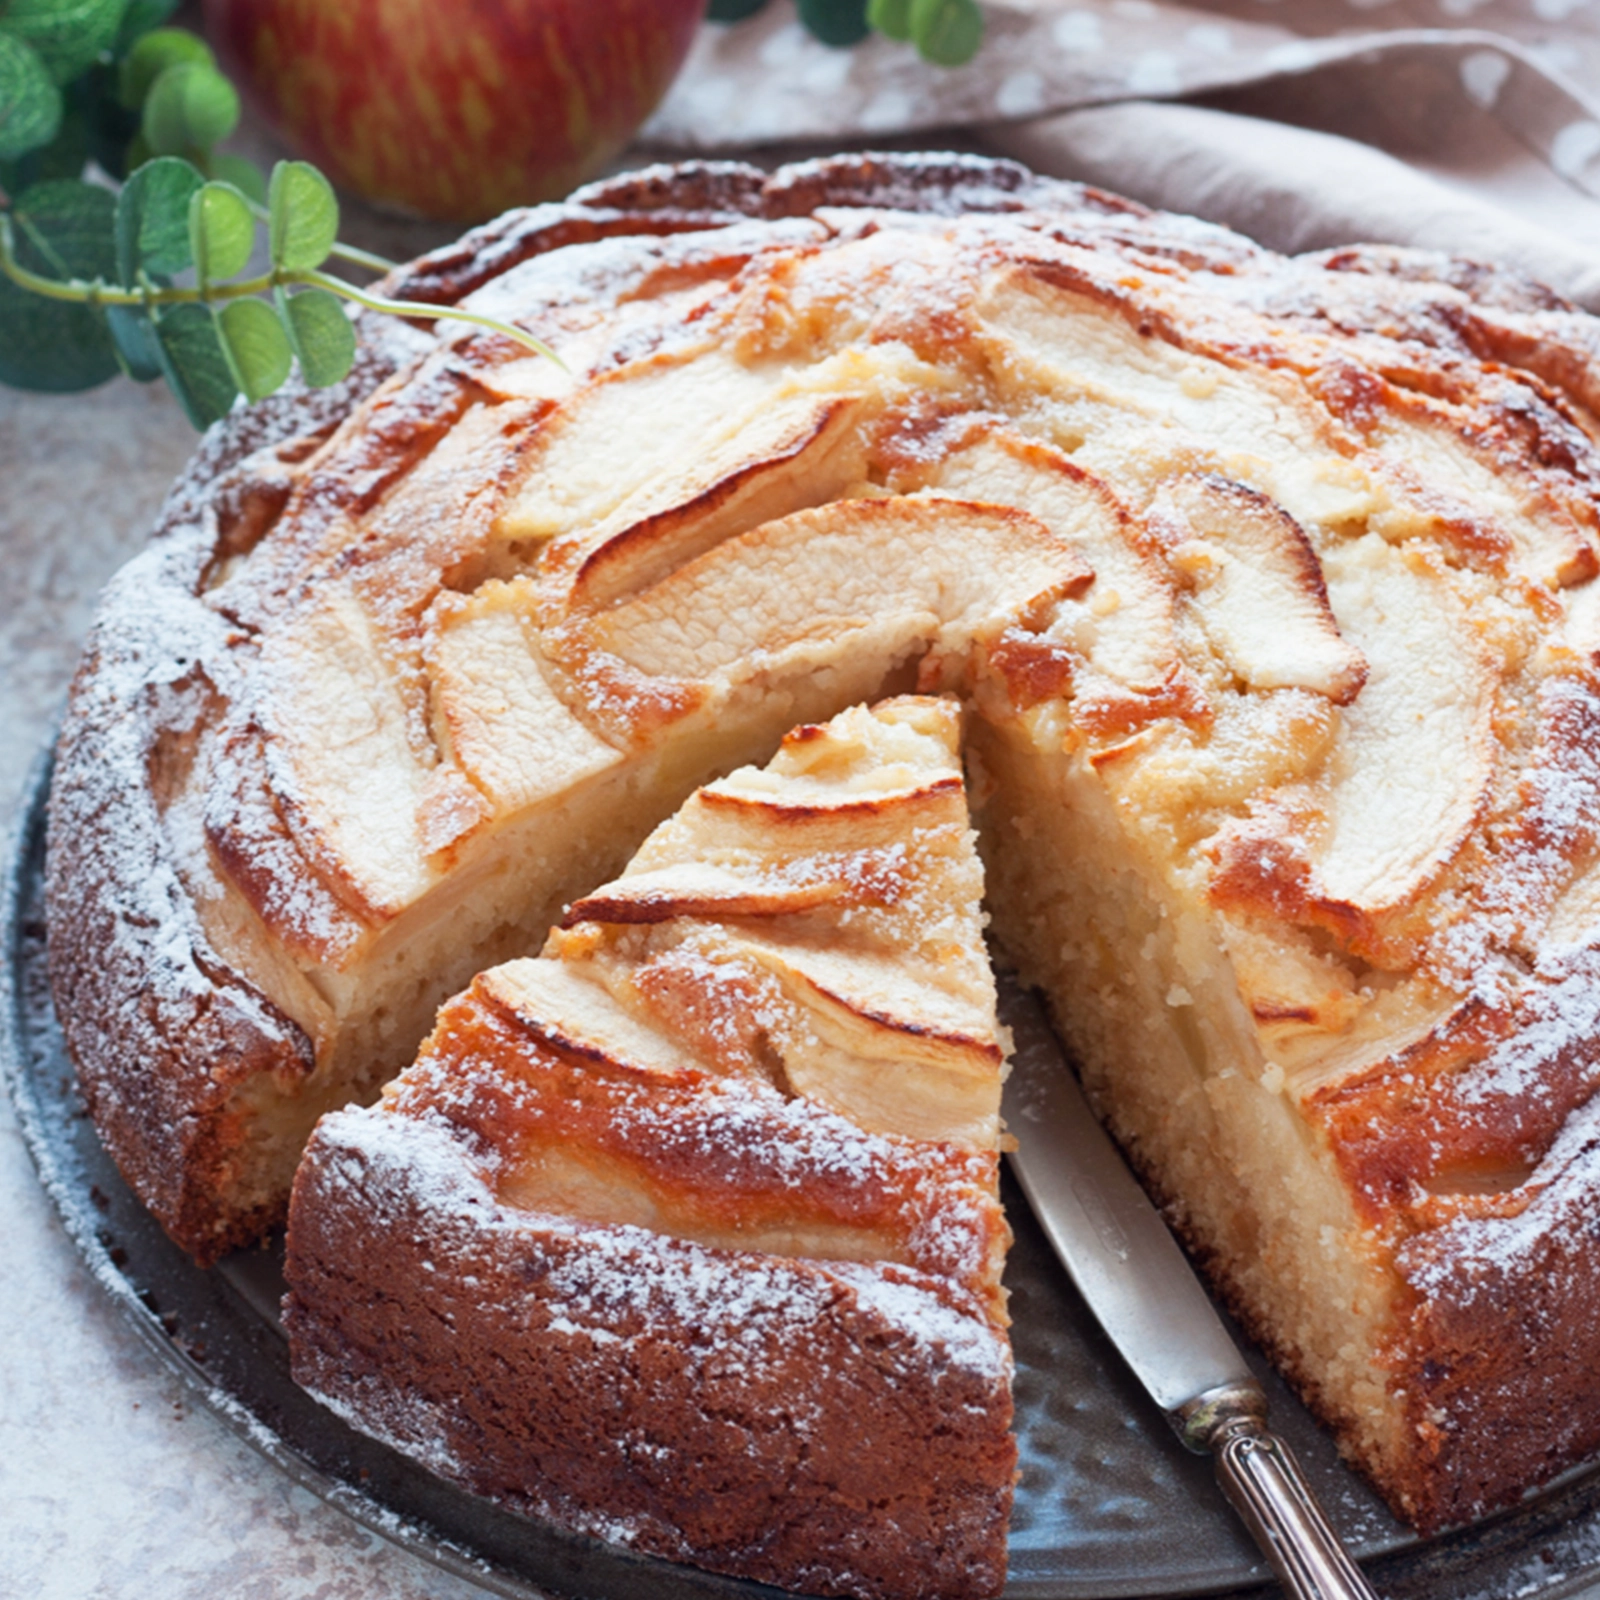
686, 1232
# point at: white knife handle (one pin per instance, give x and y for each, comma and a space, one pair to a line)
1259, 1474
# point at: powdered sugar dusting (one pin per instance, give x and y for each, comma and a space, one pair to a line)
1555, 1020
741, 1307
1489, 1258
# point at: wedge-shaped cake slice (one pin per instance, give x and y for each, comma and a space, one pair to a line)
686, 1233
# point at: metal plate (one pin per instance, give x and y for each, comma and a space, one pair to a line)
1109, 1504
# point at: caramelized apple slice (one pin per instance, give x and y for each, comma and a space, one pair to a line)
894, 1055
798, 452
557, 1004
1416, 753
1258, 588
708, 889
495, 714
350, 781
1291, 989
937, 571
1473, 494
630, 428
1121, 625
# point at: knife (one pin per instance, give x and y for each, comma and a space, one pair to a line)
1140, 1286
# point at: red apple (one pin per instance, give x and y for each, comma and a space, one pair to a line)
454, 109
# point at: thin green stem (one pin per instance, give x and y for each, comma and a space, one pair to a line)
362, 258
51, 288
417, 308
98, 293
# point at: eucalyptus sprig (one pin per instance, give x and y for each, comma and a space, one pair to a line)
91, 286
151, 280
947, 33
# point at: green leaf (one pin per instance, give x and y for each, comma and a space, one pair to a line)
61, 229
153, 220
68, 35
222, 232
244, 175
257, 348
30, 103
947, 32
140, 17
134, 335
892, 18
152, 55
733, 10
323, 340
835, 22
192, 359
190, 106
303, 217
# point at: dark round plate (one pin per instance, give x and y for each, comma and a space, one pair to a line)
1109, 1504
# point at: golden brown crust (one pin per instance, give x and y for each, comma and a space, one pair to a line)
160, 1026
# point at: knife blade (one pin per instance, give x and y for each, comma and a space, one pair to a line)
1139, 1284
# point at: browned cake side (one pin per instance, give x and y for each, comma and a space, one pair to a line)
832, 1427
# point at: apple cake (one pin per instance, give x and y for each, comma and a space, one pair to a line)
1267, 586
725, 1155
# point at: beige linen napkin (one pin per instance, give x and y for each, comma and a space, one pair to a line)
1492, 131
1296, 190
